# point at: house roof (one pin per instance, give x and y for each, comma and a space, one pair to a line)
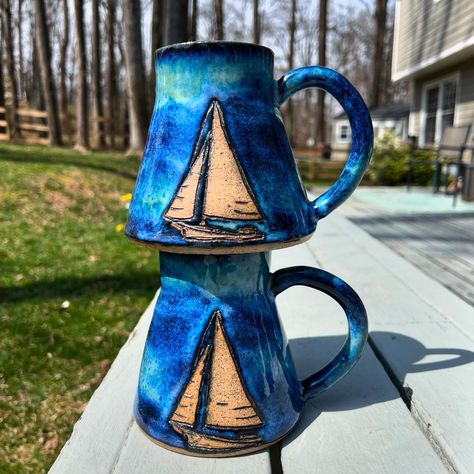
389, 111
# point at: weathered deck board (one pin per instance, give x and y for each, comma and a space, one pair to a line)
140, 456
359, 425
442, 245
412, 318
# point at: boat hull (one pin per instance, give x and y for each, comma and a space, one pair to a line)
212, 443
208, 453
216, 234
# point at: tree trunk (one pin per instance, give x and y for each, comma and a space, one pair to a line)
2, 90
157, 37
21, 66
256, 22
176, 26
193, 21
320, 110
97, 77
377, 64
112, 115
47, 81
36, 94
10, 63
82, 90
63, 60
157, 25
135, 75
291, 61
219, 17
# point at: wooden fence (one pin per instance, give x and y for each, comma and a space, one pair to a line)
4, 133
32, 128
312, 168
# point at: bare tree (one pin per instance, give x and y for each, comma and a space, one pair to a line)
6, 12
219, 18
122, 90
176, 26
21, 66
97, 76
193, 21
378, 57
47, 81
63, 49
320, 110
35, 96
352, 47
82, 90
2, 89
111, 73
157, 24
157, 36
291, 65
135, 75
256, 22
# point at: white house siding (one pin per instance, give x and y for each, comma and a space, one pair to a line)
430, 31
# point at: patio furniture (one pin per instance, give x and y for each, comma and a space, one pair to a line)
468, 182
406, 407
449, 153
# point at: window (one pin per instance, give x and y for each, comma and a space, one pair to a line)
448, 104
431, 112
344, 133
439, 102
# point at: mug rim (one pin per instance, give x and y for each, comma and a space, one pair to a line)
190, 45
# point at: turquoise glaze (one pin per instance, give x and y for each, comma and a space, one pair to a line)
217, 376
226, 88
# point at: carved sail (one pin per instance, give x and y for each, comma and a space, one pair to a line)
186, 410
183, 205
215, 188
227, 406
227, 194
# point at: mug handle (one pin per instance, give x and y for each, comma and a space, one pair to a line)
359, 118
350, 302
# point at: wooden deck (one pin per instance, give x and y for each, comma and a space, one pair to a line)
405, 408
441, 245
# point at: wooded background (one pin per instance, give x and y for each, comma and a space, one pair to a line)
88, 64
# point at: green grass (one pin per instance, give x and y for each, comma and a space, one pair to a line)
58, 212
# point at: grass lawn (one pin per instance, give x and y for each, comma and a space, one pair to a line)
58, 244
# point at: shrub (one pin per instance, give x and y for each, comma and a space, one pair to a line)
423, 171
389, 164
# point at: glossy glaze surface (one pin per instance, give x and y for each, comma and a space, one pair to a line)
217, 377
219, 101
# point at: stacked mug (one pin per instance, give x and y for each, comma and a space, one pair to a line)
217, 190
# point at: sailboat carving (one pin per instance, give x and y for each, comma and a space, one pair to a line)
215, 190
214, 406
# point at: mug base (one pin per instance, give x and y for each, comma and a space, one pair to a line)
216, 454
222, 250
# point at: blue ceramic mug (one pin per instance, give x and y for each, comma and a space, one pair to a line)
218, 174
217, 377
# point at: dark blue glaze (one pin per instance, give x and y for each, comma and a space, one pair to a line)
359, 118
239, 77
243, 290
